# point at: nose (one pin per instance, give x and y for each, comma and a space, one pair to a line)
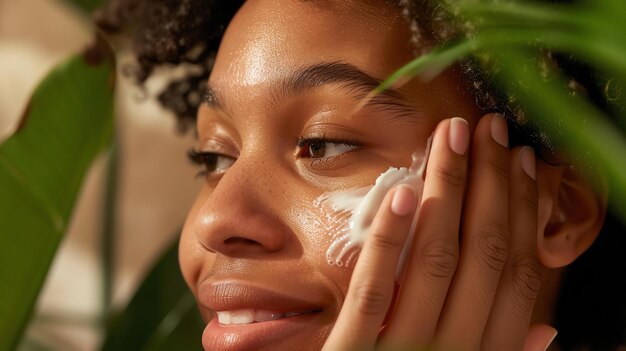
241, 216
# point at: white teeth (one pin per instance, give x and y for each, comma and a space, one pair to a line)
223, 318
242, 317
252, 316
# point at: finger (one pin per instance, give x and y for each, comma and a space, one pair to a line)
435, 250
372, 283
539, 338
512, 309
484, 240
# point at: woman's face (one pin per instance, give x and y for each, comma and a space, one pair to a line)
279, 128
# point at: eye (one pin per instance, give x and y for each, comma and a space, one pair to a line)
322, 148
214, 163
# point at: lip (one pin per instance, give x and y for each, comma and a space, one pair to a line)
234, 295
255, 336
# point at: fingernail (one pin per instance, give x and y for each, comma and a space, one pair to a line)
551, 340
499, 131
403, 200
458, 136
527, 158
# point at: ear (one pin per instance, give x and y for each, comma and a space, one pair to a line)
571, 214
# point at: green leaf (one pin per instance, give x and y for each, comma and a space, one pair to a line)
42, 166
32, 345
582, 129
162, 314
87, 6
510, 33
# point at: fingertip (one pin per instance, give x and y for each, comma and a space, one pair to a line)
540, 337
458, 137
404, 200
527, 159
499, 130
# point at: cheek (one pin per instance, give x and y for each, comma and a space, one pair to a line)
314, 230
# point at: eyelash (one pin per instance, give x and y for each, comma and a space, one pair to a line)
207, 160
210, 159
307, 142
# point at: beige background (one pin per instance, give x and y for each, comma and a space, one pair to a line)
157, 183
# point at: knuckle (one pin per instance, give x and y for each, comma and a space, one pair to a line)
492, 246
439, 259
500, 169
452, 176
525, 273
529, 199
382, 241
370, 299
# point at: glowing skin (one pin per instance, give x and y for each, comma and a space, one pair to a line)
351, 212
282, 130
253, 241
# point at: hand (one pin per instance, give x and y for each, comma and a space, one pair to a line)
475, 292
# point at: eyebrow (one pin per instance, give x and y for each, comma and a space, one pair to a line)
356, 82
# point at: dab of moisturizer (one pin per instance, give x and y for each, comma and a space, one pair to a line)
349, 213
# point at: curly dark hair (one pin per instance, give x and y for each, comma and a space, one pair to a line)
172, 32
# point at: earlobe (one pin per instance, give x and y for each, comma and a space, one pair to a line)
571, 214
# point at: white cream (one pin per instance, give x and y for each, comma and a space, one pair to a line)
349, 213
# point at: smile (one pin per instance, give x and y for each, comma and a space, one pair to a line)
249, 316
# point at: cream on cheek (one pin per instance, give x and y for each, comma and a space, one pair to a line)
349, 213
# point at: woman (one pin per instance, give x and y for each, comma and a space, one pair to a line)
279, 126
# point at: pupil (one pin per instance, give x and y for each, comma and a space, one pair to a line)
210, 162
317, 149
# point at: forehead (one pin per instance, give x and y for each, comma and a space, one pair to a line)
269, 38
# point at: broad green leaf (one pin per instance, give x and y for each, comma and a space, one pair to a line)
162, 315
42, 166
